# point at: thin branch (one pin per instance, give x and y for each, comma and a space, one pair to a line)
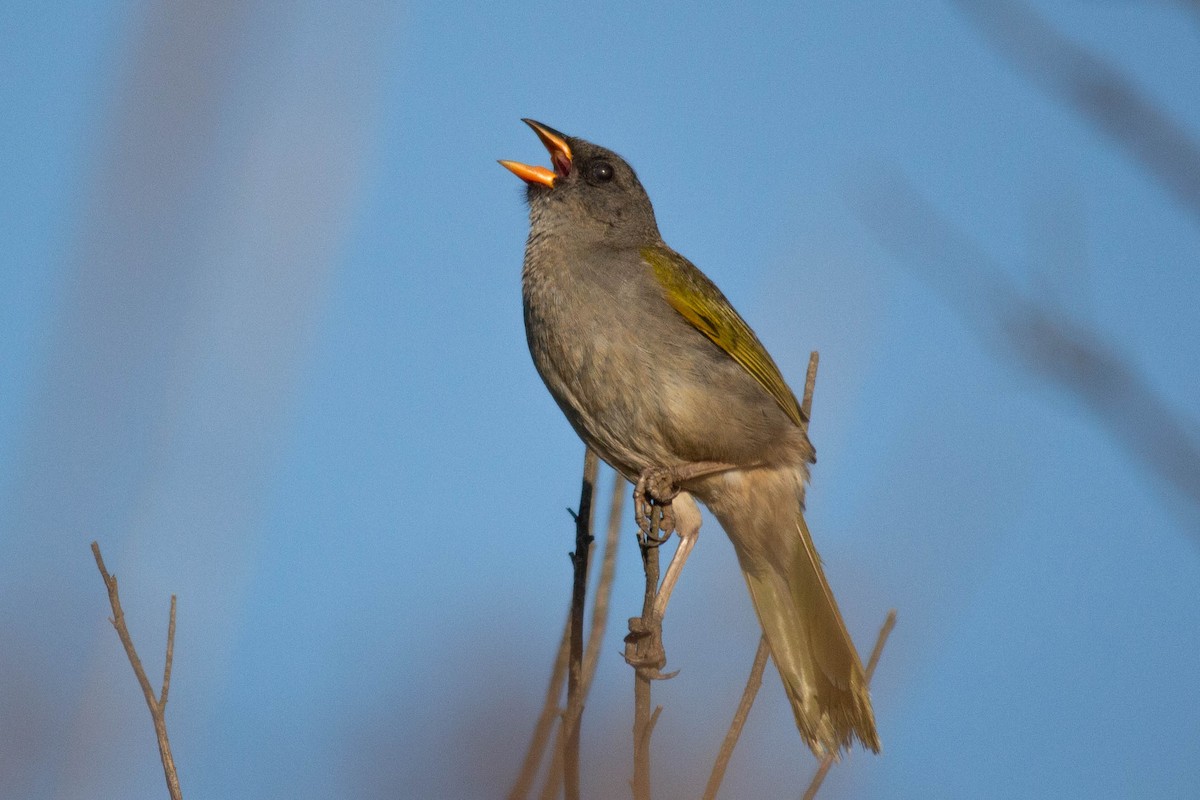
156, 704
551, 710
827, 762
753, 684
810, 383
545, 723
554, 775
880, 641
166, 683
608, 571
579, 560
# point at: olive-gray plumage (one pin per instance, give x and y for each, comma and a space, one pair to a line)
653, 368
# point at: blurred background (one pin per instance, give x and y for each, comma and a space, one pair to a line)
260, 335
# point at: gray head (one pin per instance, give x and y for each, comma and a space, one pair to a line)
591, 194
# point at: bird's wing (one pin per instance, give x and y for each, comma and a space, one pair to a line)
700, 302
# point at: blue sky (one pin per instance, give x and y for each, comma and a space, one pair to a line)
260, 335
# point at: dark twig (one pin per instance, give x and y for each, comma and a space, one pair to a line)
595, 637
156, 704
827, 762
579, 560
551, 711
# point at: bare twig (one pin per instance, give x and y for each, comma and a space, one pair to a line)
157, 704
884, 632
810, 383
579, 560
554, 775
753, 683
827, 762
608, 571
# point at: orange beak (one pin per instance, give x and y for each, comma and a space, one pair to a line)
560, 157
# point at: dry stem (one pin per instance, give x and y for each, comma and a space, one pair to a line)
545, 723
156, 704
753, 683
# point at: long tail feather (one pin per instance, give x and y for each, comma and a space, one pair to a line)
820, 668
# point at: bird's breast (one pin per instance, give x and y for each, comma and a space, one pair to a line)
638, 383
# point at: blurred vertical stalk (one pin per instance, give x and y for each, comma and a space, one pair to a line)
230, 160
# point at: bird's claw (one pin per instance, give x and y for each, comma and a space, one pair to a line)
644, 649
652, 495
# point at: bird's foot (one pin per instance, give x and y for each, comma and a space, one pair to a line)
644, 649
652, 495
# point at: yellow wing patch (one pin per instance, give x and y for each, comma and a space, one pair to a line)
700, 302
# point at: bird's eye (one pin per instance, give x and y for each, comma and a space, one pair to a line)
602, 172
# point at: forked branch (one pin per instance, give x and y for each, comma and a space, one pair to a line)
156, 703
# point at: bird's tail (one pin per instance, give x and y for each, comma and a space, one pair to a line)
761, 511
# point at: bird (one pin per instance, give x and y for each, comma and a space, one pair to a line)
667, 383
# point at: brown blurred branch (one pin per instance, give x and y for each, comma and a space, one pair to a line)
608, 571
1075, 358
1097, 91
753, 684
157, 704
545, 723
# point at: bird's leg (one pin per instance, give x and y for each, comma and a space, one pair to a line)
644, 649
662, 507
687, 525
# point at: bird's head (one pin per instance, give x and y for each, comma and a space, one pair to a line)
590, 191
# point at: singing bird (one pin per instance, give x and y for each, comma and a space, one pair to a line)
658, 373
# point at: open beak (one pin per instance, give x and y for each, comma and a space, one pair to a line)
560, 157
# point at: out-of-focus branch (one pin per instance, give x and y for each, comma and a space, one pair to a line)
545, 723
1097, 91
753, 684
1071, 356
157, 704
608, 572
